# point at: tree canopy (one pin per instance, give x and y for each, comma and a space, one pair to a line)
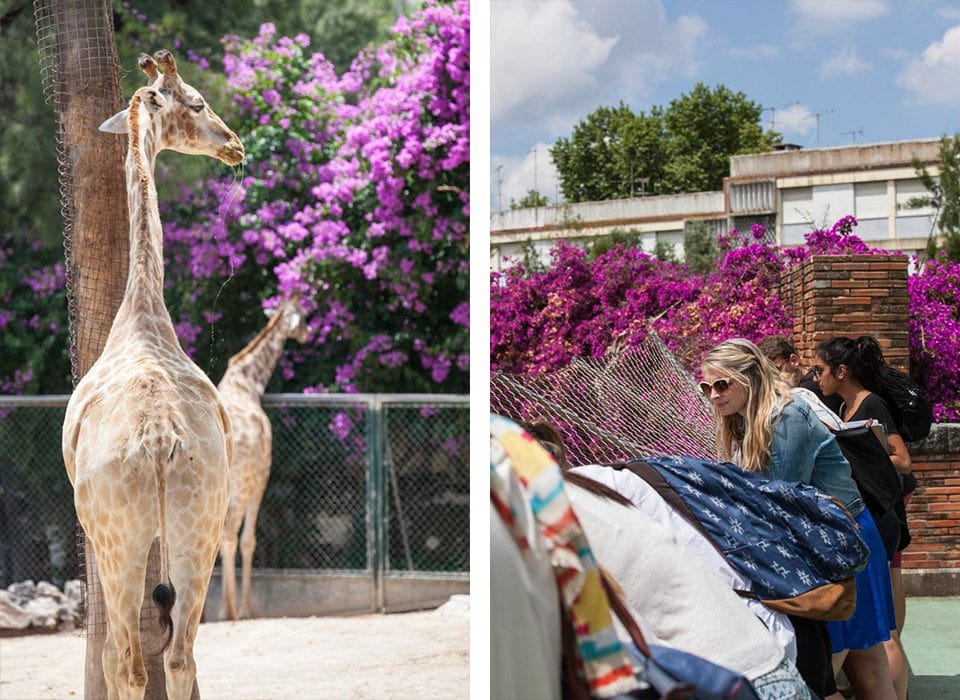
685, 147
531, 199
354, 196
944, 197
28, 165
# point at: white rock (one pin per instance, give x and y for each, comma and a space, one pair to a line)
45, 589
68, 619
457, 606
23, 589
73, 589
12, 617
44, 612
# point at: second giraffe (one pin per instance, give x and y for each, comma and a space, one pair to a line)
241, 389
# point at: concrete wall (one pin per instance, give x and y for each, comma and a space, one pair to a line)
822, 160
304, 594
612, 213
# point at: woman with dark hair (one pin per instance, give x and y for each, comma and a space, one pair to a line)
851, 369
764, 428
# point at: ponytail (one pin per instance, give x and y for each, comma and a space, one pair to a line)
862, 357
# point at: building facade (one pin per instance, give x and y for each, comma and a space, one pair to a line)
791, 191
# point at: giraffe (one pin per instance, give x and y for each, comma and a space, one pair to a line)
241, 388
146, 438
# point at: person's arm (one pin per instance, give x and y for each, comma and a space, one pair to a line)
899, 454
792, 447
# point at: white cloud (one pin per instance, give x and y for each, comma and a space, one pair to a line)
950, 12
553, 63
796, 120
656, 52
844, 62
935, 75
819, 11
518, 175
755, 53
894, 54
541, 53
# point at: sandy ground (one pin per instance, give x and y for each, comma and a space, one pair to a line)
403, 655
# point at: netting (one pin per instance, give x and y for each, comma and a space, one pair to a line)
78, 67
341, 467
631, 402
80, 75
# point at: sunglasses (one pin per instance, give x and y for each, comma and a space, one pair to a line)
721, 386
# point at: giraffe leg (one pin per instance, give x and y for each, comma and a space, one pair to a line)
193, 538
124, 669
190, 576
121, 545
179, 665
109, 662
248, 543
228, 562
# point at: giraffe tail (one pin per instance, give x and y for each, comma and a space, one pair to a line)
165, 595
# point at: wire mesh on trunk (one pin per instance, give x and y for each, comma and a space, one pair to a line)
78, 67
80, 75
631, 402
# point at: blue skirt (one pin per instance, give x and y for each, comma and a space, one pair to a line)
873, 617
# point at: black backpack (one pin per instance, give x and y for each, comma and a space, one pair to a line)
911, 412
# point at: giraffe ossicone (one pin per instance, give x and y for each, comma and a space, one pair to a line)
146, 438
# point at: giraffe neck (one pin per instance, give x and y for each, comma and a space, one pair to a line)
143, 298
253, 366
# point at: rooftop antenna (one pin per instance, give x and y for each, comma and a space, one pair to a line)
773, 115
796, 103
536, 211
817, 116
534, 152
854, 134
499, 183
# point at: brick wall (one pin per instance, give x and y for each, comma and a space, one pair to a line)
934, 509
856, 295
849, 295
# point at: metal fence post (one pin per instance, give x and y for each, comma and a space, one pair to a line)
363, 487
376, 546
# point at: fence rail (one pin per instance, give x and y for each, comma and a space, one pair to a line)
373, 483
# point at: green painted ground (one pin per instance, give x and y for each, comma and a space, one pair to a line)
931, 637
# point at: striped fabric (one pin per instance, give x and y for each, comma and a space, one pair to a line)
517, 459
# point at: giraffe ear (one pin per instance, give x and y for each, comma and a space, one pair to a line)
117, 124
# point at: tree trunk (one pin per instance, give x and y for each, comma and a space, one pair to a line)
97, 243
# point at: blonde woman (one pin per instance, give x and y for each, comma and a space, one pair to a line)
763, 428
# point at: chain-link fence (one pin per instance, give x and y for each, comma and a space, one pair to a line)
370, 482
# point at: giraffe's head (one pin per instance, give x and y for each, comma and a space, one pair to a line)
182, 119
293, 318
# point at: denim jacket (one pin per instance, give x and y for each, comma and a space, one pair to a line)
802, 449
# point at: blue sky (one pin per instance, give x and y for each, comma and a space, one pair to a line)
873, 70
